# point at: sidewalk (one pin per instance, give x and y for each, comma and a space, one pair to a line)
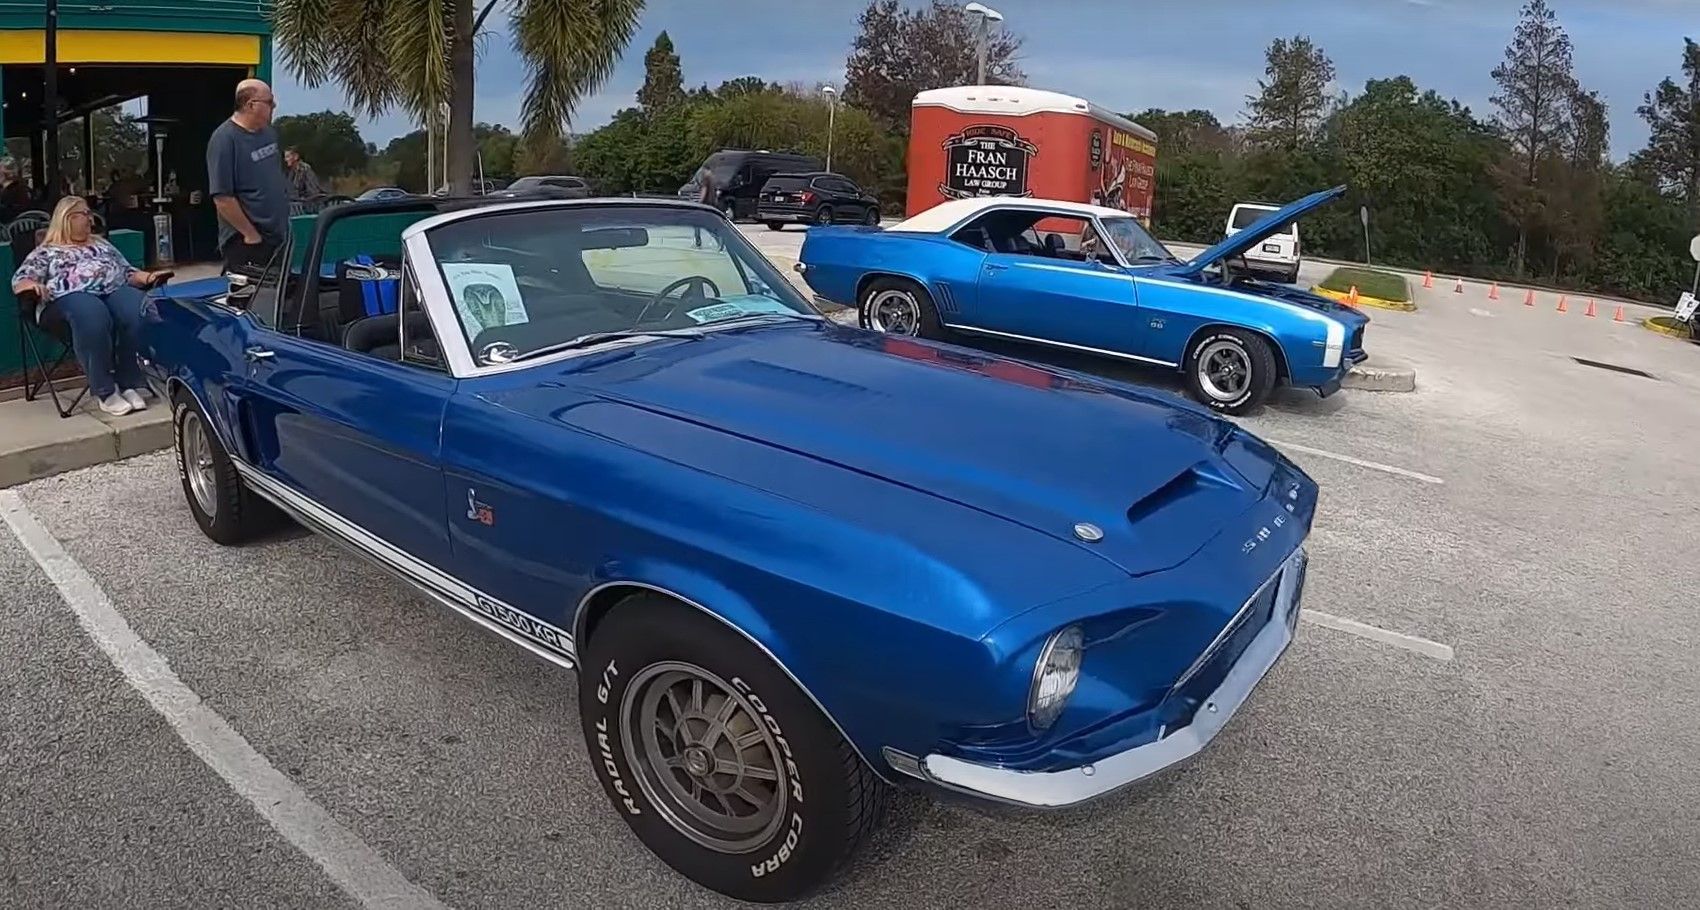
36, 442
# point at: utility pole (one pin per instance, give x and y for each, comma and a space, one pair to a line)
50, 104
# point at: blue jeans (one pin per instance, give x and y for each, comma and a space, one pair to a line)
106, 334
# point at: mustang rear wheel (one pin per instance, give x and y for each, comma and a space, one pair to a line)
1230, 370
222, 505
898, 306
719, 763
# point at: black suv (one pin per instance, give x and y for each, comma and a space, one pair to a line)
814, 198
737, 175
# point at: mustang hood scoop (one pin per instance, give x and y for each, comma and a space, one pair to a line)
1014, 441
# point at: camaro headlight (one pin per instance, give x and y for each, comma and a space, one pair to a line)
1055, 677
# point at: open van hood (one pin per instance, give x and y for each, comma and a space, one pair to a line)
1238, 244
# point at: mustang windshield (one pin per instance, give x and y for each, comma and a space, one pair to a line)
533, 281
1135, 244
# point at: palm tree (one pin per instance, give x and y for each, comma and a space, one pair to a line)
418, 54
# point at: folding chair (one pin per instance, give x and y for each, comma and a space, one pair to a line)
36, 319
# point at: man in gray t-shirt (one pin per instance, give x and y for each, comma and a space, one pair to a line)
246, 181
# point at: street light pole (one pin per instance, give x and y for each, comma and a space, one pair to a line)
831, 116
987, 16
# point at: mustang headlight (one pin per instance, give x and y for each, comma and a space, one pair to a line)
1055, 677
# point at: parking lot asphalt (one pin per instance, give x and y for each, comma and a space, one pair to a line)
1536, 521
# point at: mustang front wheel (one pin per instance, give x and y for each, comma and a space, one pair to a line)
1230, 370
898, 307
714, 757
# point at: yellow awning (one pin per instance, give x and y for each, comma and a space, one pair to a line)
131, 47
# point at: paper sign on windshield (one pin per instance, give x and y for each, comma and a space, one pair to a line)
733, 307
485, 295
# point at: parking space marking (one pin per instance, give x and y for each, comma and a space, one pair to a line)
347, 860
1362, 463
1411, 643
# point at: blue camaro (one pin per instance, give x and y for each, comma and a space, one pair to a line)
1091, 279
793, 562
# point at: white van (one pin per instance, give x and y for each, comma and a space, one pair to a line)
1279, 252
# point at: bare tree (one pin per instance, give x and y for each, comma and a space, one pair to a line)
899, 52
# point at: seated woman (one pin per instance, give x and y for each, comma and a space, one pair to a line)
100, 296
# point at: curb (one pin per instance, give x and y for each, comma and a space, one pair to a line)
48, 444
1667, 331
1402, 306
1383, 378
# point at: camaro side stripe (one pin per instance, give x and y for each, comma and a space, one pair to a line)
1062, 344
511, 623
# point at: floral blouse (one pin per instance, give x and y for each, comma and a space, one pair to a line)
96, 267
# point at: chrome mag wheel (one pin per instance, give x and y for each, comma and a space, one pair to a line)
703, 757
1224, 370
198, 464
894, 312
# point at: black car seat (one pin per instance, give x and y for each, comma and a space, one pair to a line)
1055, 247
380, 336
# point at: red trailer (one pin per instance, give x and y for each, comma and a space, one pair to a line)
997, 140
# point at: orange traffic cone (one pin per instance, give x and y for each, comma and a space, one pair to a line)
1459, 288
1428, 279
1590, 311
1562, 308
1493, 291
1618, 317
1529, 298
1352, 298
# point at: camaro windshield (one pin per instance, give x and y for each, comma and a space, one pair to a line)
533, 280
1135, 244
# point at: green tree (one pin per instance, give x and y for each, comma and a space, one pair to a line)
497, 147
744, 85
418, 55
663, 81
328, 140
1291, 104
1181, 132
120, 144
899, 52
1536, 85
1672, 112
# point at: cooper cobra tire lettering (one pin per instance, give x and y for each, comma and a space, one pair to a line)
795, 830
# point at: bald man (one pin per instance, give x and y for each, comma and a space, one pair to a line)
246, 180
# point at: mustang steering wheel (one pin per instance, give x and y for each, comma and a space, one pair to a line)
702, 283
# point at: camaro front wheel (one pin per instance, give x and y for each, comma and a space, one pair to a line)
897, 306
719, 763
1230, 370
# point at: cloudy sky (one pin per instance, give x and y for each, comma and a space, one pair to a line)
1129, 55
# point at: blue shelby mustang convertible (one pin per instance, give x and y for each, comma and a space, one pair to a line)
793, 562
1091, 279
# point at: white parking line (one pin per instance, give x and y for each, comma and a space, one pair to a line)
1412, 643
1372, 465
355, 867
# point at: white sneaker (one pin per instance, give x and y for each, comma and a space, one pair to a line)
115, 405
137, 402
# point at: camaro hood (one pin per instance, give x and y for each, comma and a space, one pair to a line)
1157, 479
1238, 244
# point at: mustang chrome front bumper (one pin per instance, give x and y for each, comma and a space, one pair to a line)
1072, 786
